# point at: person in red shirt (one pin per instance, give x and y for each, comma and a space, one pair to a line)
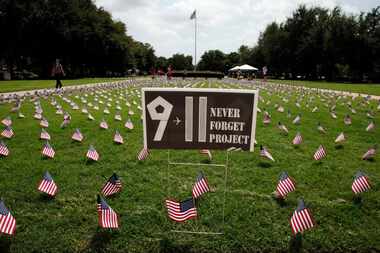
58, 73
170, 72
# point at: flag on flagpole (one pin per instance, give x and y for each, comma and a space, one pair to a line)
44, 123
320, 153
77, 135
48, 151
361, 183
103, 124
340, 138
201, 186
301, 219
118, 138
47, 185
107, 218
265, 153
285, 185
7, 132
143, 154
369, 154
206, 152
92, 154
44, 135
193, 15
112, 186
370, 126
4, 151
181, 211
297, 139
129, 124
7, 221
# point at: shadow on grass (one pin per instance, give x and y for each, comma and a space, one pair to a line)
357, 201
5, 244
264, 165
45, 198
100, 240
167, 246
280, 201
339, 147
295, 244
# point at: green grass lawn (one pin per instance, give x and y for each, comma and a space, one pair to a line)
20, 85
254, 221
372, 89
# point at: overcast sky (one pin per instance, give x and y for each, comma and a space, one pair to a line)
222, 24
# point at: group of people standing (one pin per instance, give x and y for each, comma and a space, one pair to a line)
160, 72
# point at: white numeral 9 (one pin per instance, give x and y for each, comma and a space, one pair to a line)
163, 116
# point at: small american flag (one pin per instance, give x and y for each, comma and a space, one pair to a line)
48, 151
112, 186
118, 138
77, 135
206, 152
370, 126
21, 115
90, 117
266, 119
181, 211
320, 153
201, 186
103, 124
129, 124
283, 128
321, 129
340, 138
265, 153
44, 135
347, 120
47, 185
361, 183
143, 154
7, 222
4, 151
285, 185
301, 219
297, 120
92, 154
117, 117
369, 154
107, 217
38, 116
44, 123
7, 132
7, 121
297, 139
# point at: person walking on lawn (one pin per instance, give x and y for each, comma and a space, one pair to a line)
58, 73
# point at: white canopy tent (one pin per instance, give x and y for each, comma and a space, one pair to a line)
244, 67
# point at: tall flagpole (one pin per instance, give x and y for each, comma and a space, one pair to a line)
195, 41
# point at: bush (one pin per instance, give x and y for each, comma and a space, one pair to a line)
204, 74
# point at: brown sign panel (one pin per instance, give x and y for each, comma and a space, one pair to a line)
187, 118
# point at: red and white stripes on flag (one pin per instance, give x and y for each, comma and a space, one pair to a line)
7, 132
48, 151
44, 123
47, 185
143, 154
103, 124
267, 118
92, 154
44, 135
129, 124
361, 183
181, 211
118, 138
107, 218
285, 185
369, 154
4, 151
297, 139
370, 127
112, 186
320, 153
206, 152
265, 153
201, 186
7, 221
77, 135
7, 121
301, 219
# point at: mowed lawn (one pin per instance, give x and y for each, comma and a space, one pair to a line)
21, 85
371, 89
253, 220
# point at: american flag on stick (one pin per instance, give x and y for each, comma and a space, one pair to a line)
181, 211
7, 132
107, 218
77, 135
7, 121
347, 120
129, 124
7, 221
361, 183
267, 118
201, 186
112, 186
320, 153
297, 120
103, 124
44, 135
301, 219
47, 185
283, 128
297, 139
44, 123
118, 138
206, 152
4, 151
369, 154
143, 154
370, 126
340, 138
285, 185
92, 154
265, 153
48, 151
